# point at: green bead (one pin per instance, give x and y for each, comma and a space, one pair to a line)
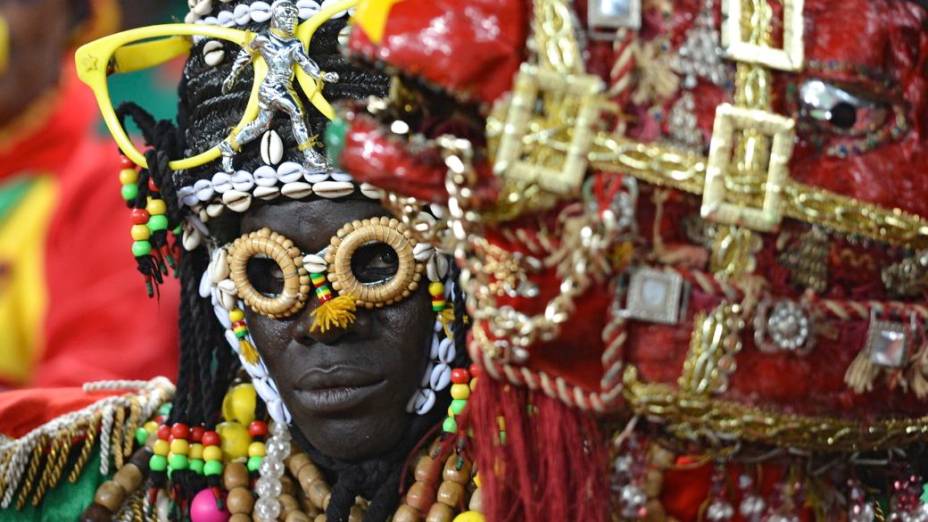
924, 498
141, 248
178, 230
502, 437
141, 435
130, 192
196, 466
457, 405
158, 463
334, 138
450, 425
177, 462
212, 468
158, 223
165, 409
254, 463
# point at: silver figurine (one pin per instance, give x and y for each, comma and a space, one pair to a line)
282, 51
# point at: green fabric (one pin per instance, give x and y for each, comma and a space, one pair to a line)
12, 193
67, 501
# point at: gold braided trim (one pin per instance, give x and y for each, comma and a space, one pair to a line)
37, 462
693, 417
667, 167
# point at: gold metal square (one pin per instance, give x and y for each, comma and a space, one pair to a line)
716, 206
788, 58
549, 128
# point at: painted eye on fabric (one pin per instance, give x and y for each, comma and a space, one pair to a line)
265, 275
374, 263
840, 110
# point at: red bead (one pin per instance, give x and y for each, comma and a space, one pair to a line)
152, 186
196, 434
126, 163
474, 370
459, 376
164, 432
139, 216
257, 428
210, 438
180, 431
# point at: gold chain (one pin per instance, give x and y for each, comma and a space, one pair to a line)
90, 435
715, 341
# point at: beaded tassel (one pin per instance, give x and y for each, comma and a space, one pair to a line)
460, 391
332, 312
237, 317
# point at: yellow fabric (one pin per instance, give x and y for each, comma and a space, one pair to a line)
23, 295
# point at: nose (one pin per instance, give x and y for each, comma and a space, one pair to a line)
302, 330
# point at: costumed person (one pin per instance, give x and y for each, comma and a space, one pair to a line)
65, 297
674, 308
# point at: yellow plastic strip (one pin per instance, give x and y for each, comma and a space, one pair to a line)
135, 57
305, 32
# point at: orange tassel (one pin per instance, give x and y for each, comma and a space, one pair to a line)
334, 313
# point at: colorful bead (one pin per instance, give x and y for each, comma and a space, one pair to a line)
180, 446
196, 466
165, 409
210, 438
139, 216
205, 509
164, 432
130, 192
235, 439
254, 463
470, 516
459, 376
212, 453
236, 315
158, 223
126, 163
450, 425
212, 468
176, 462
256, 449
460, 391
158, 463
151, 427
196, 451
156, 207
128, 176
239, 405
196, 434
141, 248
141, 436
161, 447
456, 407
257, 429
140, 233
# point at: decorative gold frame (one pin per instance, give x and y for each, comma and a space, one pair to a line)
788, 58
716, 205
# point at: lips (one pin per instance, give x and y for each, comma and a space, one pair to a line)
337, 388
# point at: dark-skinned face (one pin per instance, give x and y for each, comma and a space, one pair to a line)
347, 388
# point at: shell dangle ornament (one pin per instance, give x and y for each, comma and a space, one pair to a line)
280, 48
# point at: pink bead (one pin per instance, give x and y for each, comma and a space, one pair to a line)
203, 508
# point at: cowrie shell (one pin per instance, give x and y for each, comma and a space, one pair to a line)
267, 193
221, 182
289, 172
192, 238
427, 376
272, 148
205, 288
440, 378
333, 189
422, 252
187, 196
203, 7
297, 190
340, 176
242, 181
226, 18
315, 264
446, 351
260, 12
307, 8
222, 316
213, 53
315, 177
204, 189
265, 176
191, 18
242, 14
215, 210
371, 191
237, 201
425, 401
437, 268
219, 268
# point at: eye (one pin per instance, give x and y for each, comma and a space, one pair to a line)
374, 263
265, 275
841, 109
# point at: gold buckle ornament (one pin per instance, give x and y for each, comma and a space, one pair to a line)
716, 203
787, 58
549, 147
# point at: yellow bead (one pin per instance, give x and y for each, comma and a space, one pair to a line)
460, 391
156, 207
235, 440
256, 449
477, 479
161, 447
196, 451
236, 315
436, 288
470, 516
180, 447
140, 233
212, 453
151, 427
473, 384
128, 176
239, 404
